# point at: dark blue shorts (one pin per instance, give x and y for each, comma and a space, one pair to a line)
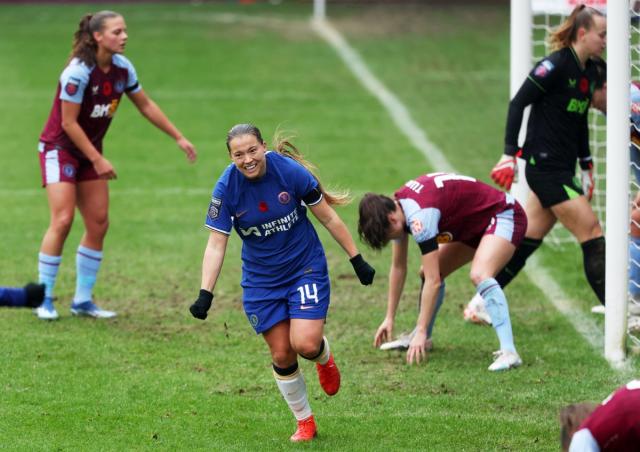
306, 298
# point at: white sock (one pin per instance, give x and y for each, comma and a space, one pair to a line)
323, 357
294, 391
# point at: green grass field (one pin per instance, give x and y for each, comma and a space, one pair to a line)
155, 378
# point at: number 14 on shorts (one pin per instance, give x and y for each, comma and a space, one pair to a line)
308, 292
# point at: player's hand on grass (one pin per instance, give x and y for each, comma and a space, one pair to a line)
505, 171
201, 306
364, 271
417, 348
384, 333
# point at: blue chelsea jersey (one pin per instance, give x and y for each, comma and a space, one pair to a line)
279, 242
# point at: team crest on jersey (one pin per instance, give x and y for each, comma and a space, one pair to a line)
71, 88
444, 237
214, 208
68, 170
416, 226
284, 197
254, 320
543, 68
119, 86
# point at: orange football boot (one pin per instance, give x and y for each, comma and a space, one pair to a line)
306, 430
329, 376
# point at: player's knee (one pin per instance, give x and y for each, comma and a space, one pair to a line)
61, 222
308, 348
97, 227
478, 275
282, 358
594, 230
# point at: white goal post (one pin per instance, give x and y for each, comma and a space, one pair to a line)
616, 160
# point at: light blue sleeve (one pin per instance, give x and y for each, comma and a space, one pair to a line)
583, 441
133, 85
73, 82
423, 223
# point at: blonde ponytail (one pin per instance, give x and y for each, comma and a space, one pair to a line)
283, 145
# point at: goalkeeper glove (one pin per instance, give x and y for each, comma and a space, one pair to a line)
364, 271
505, 171
200, 307
586, 177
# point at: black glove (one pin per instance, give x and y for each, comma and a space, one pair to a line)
35, 294
364, 271
200, 307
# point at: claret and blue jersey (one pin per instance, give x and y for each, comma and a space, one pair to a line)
97, 92
280, 245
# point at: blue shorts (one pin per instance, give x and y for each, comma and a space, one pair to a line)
306, 298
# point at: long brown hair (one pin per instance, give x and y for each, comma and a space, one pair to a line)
373, 221
283, 145
567, 32
84, 47
571, 417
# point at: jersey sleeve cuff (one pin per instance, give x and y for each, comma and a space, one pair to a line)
217, 230
510, 149
313, 197
428, 246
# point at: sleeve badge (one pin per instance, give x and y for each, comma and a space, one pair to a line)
214, 208
543, 69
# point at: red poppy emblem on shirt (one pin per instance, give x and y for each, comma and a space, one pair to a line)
71, 88
584, 85
263, 206
107, 88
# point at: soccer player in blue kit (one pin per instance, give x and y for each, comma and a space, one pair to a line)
285, 278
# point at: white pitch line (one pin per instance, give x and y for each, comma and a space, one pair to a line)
537, 274
397, 110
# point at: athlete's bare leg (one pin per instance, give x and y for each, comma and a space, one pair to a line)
277, 338
93, 203
540, 220
578, 217
62, 205
492, 255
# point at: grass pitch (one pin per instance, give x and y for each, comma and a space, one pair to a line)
155, 378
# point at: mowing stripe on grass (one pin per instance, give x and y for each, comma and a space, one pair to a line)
397, 110
434, 156
175, 191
